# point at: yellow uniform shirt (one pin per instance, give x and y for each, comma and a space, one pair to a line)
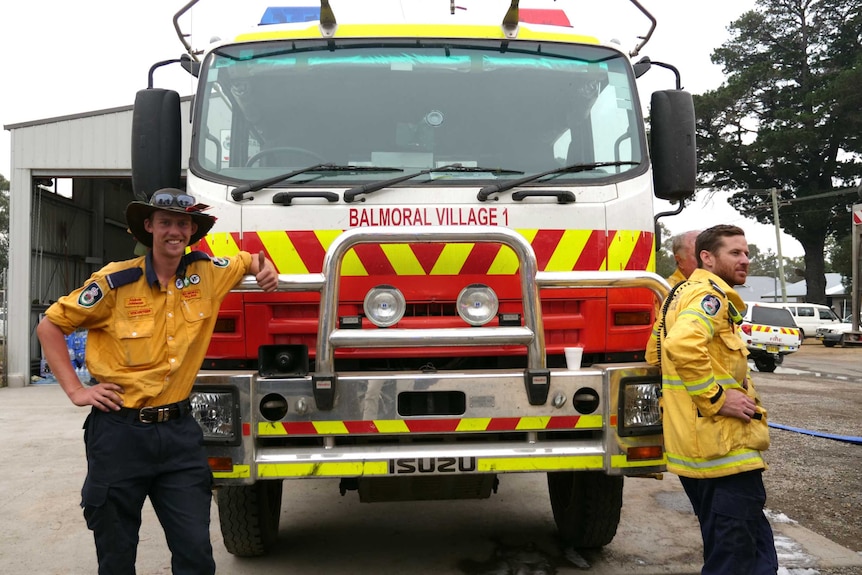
702, 355
149, 339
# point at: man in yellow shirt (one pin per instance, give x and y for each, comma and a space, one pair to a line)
682, 246
714, 425
150, 320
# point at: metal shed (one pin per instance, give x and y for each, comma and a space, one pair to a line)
70, 182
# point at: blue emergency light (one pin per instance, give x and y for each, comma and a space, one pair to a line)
290, 14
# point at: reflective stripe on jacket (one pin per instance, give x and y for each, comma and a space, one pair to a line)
701, 356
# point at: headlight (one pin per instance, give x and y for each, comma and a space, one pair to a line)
384, 306
639, 412
477, 304
217, 412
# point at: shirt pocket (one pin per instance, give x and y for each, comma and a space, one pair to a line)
196, 312
136, 339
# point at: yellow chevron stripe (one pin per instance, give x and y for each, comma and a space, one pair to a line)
568, 251
330, 427
350, 265
506, 262
270, 429
621, 248
238, 472
587, 421
533, 423
222, 244
347, 469
451, 259
403, 259
550, 463
473, 424
282, 252
391, 426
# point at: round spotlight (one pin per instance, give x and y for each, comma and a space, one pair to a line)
477, 304
384, 306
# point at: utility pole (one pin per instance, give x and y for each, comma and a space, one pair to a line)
774, 192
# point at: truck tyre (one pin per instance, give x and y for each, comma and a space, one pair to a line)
249, 516
828, 343
765, 364
586, 506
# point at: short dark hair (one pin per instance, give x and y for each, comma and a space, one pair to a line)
713, 238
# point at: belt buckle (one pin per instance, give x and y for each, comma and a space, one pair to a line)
154, 414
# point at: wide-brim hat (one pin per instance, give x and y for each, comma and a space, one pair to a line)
169, 200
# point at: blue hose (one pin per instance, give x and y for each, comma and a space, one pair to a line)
844, 438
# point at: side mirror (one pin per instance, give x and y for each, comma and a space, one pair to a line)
156, 141
672, 144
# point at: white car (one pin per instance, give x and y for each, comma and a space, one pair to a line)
838, 334
770, 333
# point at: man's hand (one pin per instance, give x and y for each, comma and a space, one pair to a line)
738, 404
266, 274
103, 396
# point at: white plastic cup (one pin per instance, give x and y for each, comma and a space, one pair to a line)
574, 355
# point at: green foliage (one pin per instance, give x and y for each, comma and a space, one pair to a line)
788, 116
766, 264
664, 262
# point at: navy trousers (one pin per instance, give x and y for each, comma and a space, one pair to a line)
737, 537
128, 461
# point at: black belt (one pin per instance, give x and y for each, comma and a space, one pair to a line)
158, 413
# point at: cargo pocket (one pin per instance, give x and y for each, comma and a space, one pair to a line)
94, 495
136, 339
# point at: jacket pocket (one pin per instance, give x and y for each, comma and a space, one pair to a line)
712, 437
136, 339
757, 432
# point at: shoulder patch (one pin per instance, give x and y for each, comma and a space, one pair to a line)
221, 262
124, 277
91, 295
710, 304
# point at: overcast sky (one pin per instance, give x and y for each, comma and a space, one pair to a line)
62, 57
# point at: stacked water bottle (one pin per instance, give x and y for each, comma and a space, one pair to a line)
76, 343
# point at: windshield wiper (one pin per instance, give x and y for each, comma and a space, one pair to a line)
508, 185
239, 192
350, 195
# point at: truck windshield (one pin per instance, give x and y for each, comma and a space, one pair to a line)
271, 107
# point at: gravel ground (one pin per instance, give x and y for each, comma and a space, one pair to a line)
816, 481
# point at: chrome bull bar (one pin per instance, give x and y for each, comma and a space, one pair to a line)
531, 334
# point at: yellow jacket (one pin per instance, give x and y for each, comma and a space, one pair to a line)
676, 277
702, 355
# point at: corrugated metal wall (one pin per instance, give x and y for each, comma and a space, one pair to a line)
67, 238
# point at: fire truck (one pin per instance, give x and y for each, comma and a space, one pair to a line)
453, 194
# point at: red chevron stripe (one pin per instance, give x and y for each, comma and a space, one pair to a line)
427, 254
299, 428
503, 423
361, 427
480, 259
563, 422
594, 252
309, 250
544, 244
641, 254
374, 260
